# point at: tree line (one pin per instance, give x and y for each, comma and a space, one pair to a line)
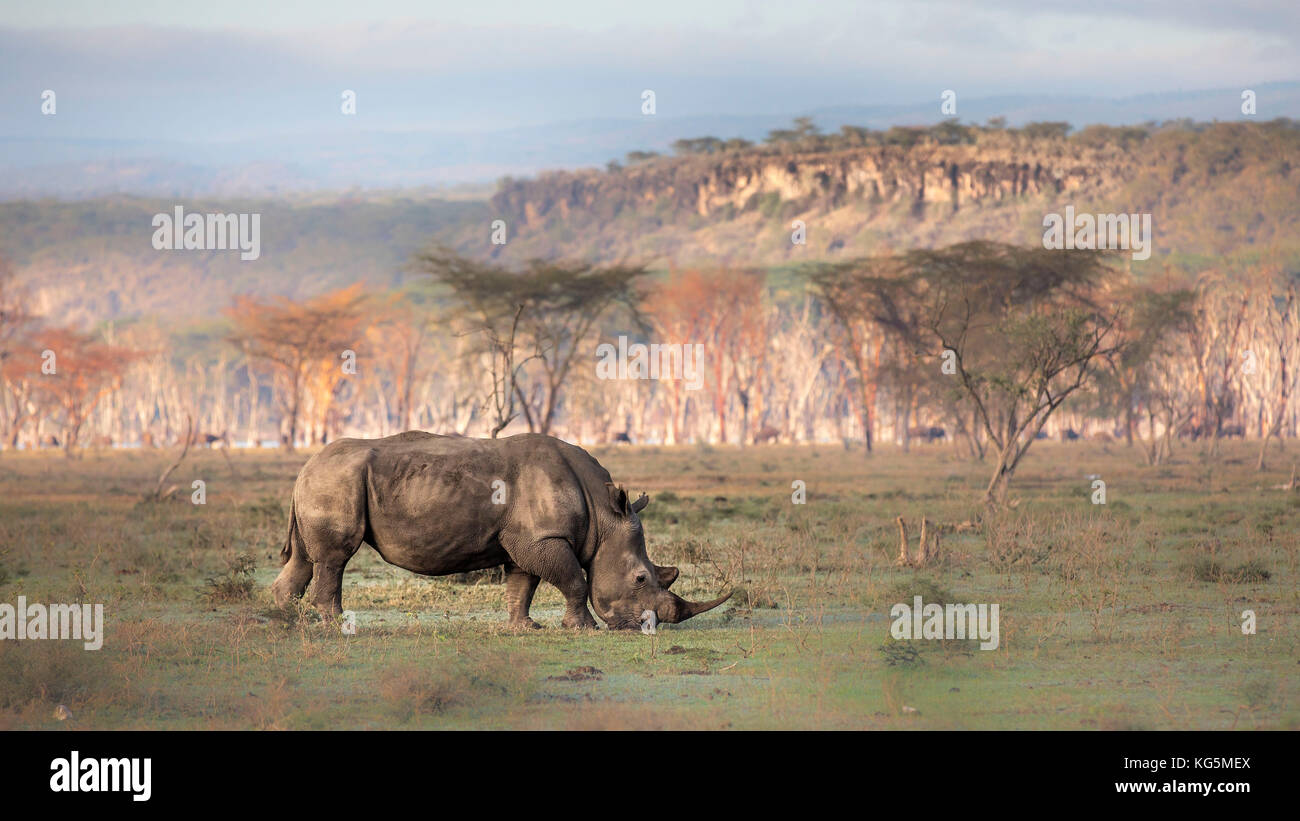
804, 136
994, 345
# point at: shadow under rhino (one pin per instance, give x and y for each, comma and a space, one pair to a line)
433, 505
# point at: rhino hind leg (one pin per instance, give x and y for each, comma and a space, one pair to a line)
292, 581
520, 587
327, 588
329, 543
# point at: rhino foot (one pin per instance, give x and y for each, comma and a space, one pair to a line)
579, 621
524, 624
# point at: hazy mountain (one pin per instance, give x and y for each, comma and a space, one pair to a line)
1217, 194
274, 164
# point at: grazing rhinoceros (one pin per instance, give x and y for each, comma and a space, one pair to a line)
435, 505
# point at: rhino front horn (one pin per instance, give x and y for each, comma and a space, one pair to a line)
680, 609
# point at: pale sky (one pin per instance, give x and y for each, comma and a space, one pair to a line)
168, 70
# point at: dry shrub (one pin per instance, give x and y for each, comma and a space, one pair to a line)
906, 589
409, 690
235, 584
50, 671
1207, 569
1015, 539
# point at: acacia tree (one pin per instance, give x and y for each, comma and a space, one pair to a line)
397, 339
1129, 383
15, 317
1216, 336
725, 311
1022, 329
82, 371
680, 314
796, 367
1276, 316
1026, 327
535, 323
302, 344
865, 298
16, 326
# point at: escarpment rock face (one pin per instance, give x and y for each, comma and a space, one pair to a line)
726, 184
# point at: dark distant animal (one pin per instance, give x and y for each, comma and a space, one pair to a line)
1042, 434
1202, 430
622, 438
1195, 430
766, 434
211, 439
927, 434
437, 505
1069, 435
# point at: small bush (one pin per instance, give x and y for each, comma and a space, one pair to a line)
1257, 692
52, 671
466, 680
755, 598
900, 653
236, 584
905, 590
1206, 569
409, 690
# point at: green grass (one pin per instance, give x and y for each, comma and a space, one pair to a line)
1119, 616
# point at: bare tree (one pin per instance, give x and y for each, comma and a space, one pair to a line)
303, 345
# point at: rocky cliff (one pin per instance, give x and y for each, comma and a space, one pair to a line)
957, 175
739, 206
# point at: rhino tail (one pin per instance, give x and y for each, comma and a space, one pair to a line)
286, 552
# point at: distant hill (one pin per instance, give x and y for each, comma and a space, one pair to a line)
276, 164
1213, 190
1226, 190
93, 261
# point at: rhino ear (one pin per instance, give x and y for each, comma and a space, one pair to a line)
667, 575
640, 503
617, 497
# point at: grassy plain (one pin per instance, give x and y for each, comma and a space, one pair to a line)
1123, 615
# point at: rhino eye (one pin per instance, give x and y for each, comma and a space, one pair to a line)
640, 578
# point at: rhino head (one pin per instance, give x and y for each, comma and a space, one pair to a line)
624, 582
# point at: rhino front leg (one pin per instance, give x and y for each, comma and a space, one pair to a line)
520, 587
553, 560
